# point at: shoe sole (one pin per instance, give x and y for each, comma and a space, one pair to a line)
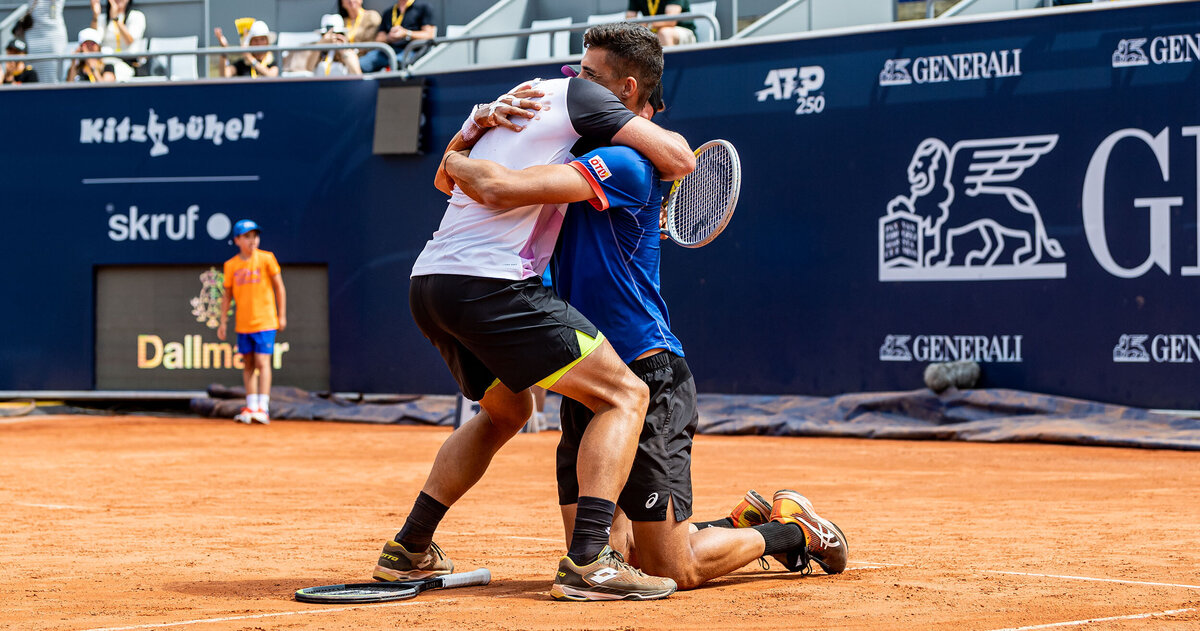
808, 509
567, 593
388, 575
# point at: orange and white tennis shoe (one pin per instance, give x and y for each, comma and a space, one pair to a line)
753, 510
824, 541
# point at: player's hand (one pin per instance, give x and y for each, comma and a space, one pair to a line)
221, 332
520, 102
282, 322
220, 37
96, 7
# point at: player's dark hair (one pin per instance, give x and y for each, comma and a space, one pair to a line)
343, 12
634, 51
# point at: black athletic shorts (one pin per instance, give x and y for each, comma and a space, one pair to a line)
663, 466
519, 332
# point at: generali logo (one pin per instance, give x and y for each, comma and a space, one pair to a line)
159, 132
1165, 49
971, 66
967, 217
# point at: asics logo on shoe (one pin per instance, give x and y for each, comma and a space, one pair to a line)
829, 538
601, 576
652, 500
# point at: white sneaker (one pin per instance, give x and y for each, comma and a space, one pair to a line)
258, 416
245, 416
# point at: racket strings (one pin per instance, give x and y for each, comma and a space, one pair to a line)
704, 197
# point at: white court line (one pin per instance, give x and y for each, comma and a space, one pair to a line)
1075, 623
161, 625
1088, 578
170, 180
54, 506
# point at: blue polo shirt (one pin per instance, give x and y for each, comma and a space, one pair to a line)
607, 259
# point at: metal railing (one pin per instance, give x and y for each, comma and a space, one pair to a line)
9, 21
205, 52
416, 48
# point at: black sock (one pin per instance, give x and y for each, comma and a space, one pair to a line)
417, 533
593, 519
780, 537
724, 522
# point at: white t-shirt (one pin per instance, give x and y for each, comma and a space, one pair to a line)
474, 240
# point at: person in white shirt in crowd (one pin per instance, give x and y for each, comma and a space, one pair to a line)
45, 33
254, 65
327, 63
123, 30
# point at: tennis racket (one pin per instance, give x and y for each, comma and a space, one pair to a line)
354, 593
701, 204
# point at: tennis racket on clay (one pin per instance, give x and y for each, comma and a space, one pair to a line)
378, 592
701, 204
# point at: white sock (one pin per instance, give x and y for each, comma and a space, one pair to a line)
252, 401
264, 402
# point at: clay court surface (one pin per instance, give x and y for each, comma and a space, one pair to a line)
181, 523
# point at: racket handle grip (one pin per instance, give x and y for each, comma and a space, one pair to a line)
482, 576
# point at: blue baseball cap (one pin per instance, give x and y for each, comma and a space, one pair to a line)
245, 225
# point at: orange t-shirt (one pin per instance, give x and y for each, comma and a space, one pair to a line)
253, 293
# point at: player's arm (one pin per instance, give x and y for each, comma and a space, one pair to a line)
599, 116
516, 102
667, 150
497, 186
280, 299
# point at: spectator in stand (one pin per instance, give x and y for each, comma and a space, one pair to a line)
330, 63
16, 72
45, 33
335, 62
408, 20
362, 25
92, 70
251, 64
123, 29
670, 32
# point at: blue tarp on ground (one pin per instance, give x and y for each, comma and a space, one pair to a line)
990, 415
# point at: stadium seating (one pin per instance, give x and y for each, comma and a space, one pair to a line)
179, 67
547, 45
704, 30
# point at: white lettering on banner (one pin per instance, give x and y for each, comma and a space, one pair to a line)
1164, 349
1158, 208
962, 219
957, 67
943, 348
139, 226
785, 83
208, 127
1165, 49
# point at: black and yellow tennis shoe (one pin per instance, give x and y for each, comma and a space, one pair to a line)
608, 577
398, 564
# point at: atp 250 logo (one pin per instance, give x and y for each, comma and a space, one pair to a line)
803, 84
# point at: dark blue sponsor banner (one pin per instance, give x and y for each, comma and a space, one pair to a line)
1019, 192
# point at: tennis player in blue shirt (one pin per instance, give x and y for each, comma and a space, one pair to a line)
606, 265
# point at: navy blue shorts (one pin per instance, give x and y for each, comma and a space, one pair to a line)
262, 342
662, 468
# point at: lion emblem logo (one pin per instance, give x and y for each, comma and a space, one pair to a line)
965, 217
